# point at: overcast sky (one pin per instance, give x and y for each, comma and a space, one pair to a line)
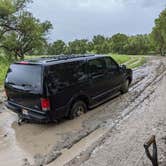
85, 18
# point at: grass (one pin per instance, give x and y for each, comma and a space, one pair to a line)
131, 61
34, 56
138, 63
120, 58
4, 64
128, 60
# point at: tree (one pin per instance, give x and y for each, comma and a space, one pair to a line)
90, 47
117, 43
57, 48
77, 47
20, 32
159, 33
101, 44
139, 44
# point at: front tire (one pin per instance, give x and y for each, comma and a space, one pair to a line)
77, 109
125, 87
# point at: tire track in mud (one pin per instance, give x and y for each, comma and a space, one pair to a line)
2, 99
106, 116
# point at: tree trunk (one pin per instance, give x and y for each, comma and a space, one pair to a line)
15, 56
22, 57
161, 52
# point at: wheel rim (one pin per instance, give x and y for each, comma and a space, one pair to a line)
79, 111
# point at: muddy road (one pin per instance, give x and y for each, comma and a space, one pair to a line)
62, 144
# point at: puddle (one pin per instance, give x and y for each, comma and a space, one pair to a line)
82, 145
10, 151
39, 139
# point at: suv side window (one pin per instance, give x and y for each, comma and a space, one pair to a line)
97, 66
66, 74
111, 65
79, 71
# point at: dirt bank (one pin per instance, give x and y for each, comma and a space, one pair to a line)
58, 144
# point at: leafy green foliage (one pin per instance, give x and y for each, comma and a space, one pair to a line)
6, 8
117, 43
77, 47
159, 33
4, 64
139, 44
57, 48
100, 45
21, 33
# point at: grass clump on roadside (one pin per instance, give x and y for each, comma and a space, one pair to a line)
131, 61
137, 63
120, 58
4, 64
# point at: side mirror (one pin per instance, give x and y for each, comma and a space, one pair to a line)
123, 67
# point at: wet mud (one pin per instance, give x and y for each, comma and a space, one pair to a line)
61, 144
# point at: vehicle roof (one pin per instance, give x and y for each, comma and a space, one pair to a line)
56, 59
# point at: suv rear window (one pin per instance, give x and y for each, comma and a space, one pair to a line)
27, 76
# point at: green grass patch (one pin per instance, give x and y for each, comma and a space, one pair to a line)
4, 64
131, 61
120, 58
34, 56
138, 63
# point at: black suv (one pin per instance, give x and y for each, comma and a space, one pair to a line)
50, 88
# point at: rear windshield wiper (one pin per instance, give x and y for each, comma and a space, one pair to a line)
11, 83
26, 85
21, 85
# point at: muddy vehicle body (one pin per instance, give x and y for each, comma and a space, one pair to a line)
48, 89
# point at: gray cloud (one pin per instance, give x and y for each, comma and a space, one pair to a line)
84, 18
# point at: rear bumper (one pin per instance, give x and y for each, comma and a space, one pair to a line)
33, 115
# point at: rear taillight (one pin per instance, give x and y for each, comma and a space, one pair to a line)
45, 104
24, 63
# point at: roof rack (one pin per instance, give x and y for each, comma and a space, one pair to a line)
65, 57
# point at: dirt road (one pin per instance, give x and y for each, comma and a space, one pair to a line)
124, 144
114, 125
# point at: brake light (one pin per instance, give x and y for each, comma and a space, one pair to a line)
24, 62
45, 104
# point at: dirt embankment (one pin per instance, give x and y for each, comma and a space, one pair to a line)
74, 142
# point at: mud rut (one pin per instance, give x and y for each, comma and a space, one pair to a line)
74, 144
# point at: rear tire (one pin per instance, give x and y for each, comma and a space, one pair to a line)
125, 87
77, 109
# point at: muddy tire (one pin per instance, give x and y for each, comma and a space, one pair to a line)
125, 87
77, 109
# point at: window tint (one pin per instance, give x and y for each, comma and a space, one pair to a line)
97, 66
111, 65
63, 75
28, 76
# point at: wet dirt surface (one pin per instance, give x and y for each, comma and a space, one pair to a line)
124, 145
57, 144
